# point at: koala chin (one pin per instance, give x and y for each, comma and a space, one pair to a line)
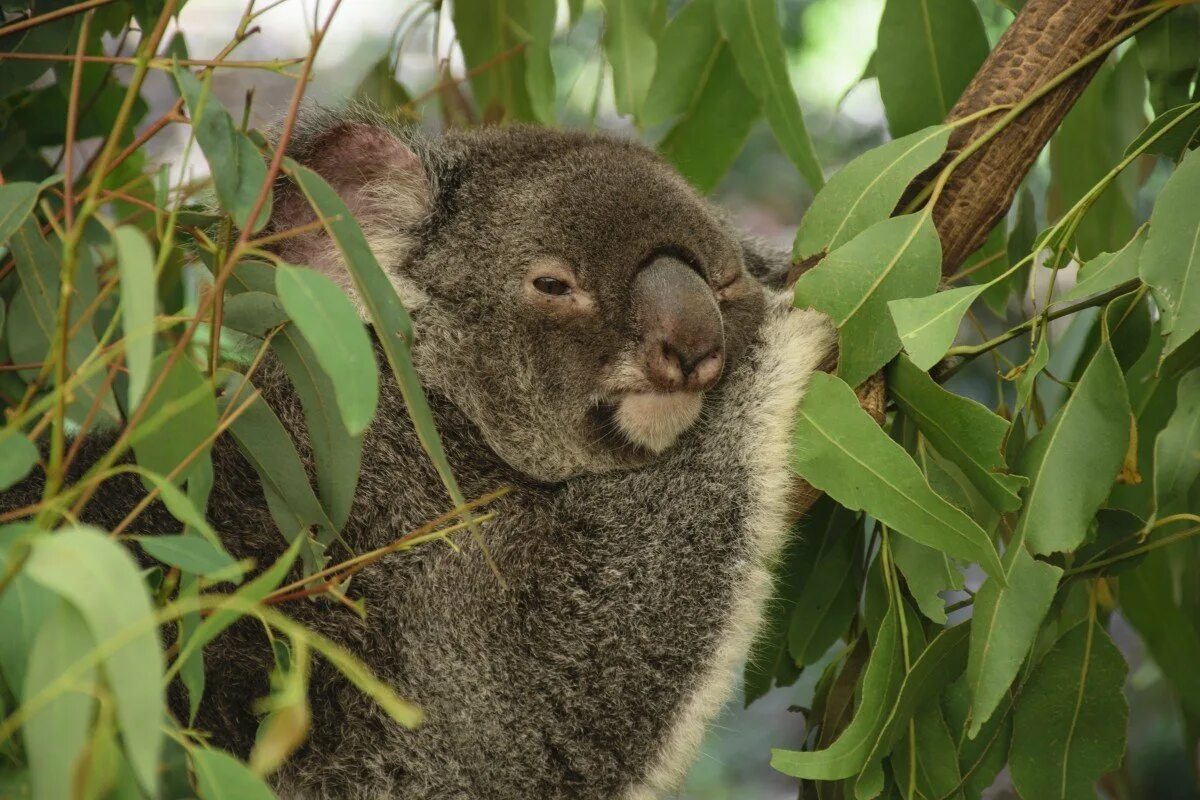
593, 334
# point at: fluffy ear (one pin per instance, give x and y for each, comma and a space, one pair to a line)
383, 182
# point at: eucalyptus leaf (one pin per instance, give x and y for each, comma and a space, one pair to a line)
220, 776
687, 53
896, 258
17, 456
929, 325
631, 50
135, 263
16, 203
190, 553
1177, 446
1069, 727
1170, 263
840, 450
1107, 271
826, 602
179, 418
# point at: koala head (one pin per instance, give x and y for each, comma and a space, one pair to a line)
570, 293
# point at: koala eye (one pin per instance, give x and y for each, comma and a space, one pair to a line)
551, 286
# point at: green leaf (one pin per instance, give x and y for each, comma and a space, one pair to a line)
294, 506
180, 416
687, 50
926, 54
899, 257
880, 686
706, 140
752, 29
820, 531
1107, 271
135, 264
1170, 261
539, 71
392, 323
1177, 446
17, 457
840, 450
380, 88
238, 170
490, 34
962, 430
336, 453
979, 759
16, 203
631, 51
1184, 123
55, 736
932, 750
189, 553
253, 313
1169, 50
929, 325
1091, 428
1148, 602
828, 596
220, 776
1069, 727
330, 324
927, 572
866, 190
98, 577
1003, 629
24, 604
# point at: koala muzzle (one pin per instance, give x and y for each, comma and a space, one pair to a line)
683, 340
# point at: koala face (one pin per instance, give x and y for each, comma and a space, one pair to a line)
571, 293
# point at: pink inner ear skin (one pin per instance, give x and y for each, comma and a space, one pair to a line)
352, 154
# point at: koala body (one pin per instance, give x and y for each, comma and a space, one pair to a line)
589, 333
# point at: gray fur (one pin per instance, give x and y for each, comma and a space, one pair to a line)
633, 580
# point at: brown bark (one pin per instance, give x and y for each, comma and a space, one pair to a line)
1046, 38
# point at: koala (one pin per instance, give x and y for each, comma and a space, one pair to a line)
593, 334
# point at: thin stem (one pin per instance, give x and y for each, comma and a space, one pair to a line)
50, 16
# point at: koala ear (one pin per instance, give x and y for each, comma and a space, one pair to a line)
382, 181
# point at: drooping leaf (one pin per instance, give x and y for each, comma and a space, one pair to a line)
899, 257
839, 449
135, 262
179, 418
336, 453
332, 327
190, 553
539, 71
927, 572
1003, 628
1172, 131
866, 190
98, 577
1069, 727
631, 51
1170, 263
828, 598
961, 429
687, 52
381, 88
1148, 602
1177, 446
391, 321
926, 54
929, 747
769, 660
979, 759
16, 203
24, 604
56, 735
238, 170
708, 137
880, 686
220, 776
752, 29
1107, 271
1091, 428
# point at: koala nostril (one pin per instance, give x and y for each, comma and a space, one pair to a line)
672, 368
705, 371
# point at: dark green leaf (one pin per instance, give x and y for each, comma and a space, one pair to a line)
930, 748
16, 203
1177, 447
828, 597
961, 429
926, 54
1069, 727
899, 257
179, 418
927, 573
839, 449
253, 313
1169, 50
17, 457
979, 759
1107, 271
380, 88
631, 51
687, 52
135, 262
752, 29
1183, 124
1091, 428
489, 32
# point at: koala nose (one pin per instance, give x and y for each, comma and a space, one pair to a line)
683, 339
